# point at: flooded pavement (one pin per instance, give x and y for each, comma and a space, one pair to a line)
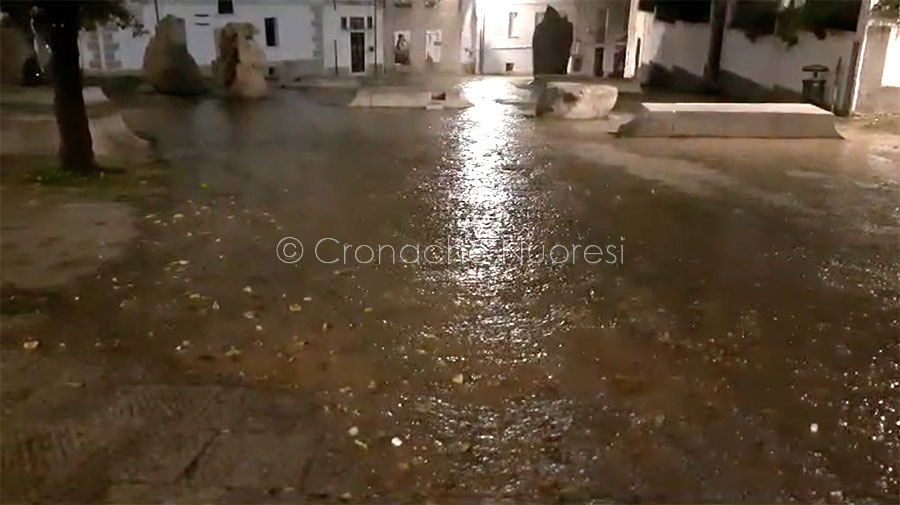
737, 343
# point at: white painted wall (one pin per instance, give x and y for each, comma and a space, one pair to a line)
294, 26
767, 61
452, 18
201, 17
587, 30
499, 48
770, 62
878, 82
680, 44
334, 36
468, 44
891, 74
128, 50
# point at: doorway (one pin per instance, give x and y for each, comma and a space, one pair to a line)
619, 62
598, 61
357, 52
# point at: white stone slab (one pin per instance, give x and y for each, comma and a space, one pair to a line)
783, 108
735, 120
391, 97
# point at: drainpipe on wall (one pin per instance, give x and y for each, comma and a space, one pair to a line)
479, 29
101, 47
334, 4
718, 14
375, 28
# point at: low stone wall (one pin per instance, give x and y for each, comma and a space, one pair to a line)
38, 135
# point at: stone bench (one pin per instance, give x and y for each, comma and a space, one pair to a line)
748, 120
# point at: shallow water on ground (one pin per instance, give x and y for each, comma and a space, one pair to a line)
736, 341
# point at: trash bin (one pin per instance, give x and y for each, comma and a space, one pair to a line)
814, 87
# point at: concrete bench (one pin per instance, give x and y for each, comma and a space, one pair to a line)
758, 120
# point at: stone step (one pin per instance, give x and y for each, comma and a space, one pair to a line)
736, 120
408, 98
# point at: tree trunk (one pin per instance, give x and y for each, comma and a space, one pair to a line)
75, 146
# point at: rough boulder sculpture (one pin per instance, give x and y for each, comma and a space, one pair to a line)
14, 54
551, 44
575, 100
241, 65
168, 66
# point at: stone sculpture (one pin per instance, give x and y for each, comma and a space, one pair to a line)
168, 66
551, 44
241, 65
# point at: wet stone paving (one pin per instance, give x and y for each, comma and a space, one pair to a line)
738, 342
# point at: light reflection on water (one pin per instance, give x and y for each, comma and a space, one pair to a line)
483, 139
483, 192
487, 199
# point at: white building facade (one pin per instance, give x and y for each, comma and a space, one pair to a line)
303, 37
429, 36
352, 35
601, 46
611, 38
298, 37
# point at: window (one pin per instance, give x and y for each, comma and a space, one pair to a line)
271, 32
357, 23
369, 23
538, 17
602, 23
513, 26
510, 66
343, 23
226, 7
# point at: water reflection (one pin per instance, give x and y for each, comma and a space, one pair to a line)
483, 192
491, 204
